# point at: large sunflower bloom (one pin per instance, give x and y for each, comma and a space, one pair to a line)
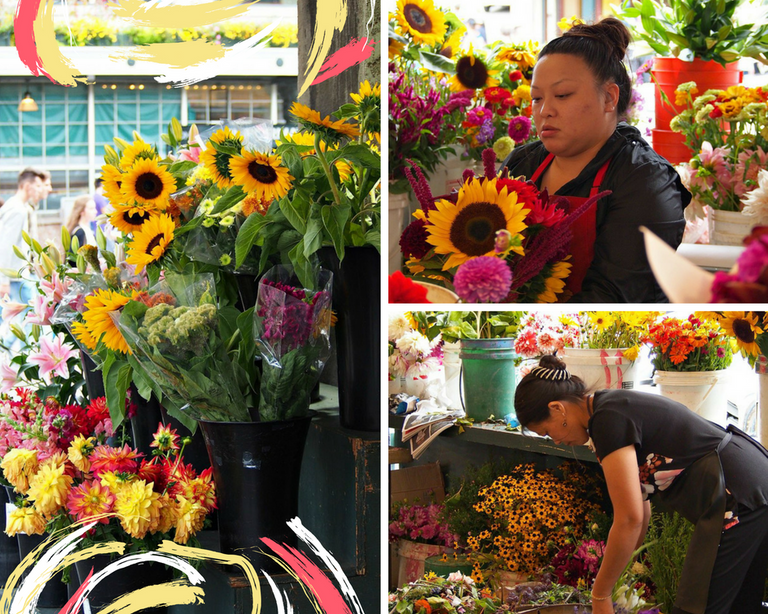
148, 183
452, 45
99, 309
130, 218
421, 20
261, 174
555, 283
111, 181
217, 162
471, 74
139, 150
149, 243
468, 228
367, 91
743, 327
331, 131
83, 335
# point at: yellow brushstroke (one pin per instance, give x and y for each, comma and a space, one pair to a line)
331, 16
175, 55
59, 67
178, 592
187, 552
180, 16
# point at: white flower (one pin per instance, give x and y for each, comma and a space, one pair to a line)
398, 326
756, 201
455, 576
455, 602
398, 365
414, 344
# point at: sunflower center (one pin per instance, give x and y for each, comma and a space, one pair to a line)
154, 243
417, 18
447, 52
474, 230
263, 173
744, 331
135, 219
149, 186
471, 72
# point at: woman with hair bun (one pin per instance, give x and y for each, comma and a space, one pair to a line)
579, 90
651, 446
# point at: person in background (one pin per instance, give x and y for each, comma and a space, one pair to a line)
102, 203
80, 218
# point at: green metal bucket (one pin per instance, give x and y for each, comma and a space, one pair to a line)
488, 377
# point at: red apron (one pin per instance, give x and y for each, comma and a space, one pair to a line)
584, 229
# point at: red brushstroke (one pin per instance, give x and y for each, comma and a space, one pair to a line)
328, 596
23, 28
354, 52
69, 606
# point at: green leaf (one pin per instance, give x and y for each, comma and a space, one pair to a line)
109, 258
647, 10
335, 219
301, 265
437, 62
293, 160
296, 210
246, 237
313, 238
347, 110
116, 384
233, 196
357, 153
373, 237
135, 309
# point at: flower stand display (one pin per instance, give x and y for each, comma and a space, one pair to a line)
704, 392
599, 368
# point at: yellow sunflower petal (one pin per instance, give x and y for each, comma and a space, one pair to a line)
98, 318
261, 174
148, 183
130, 218
149, 243
421, 21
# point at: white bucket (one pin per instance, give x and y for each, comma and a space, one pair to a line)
601, 369
398, 219
704, 392
761, 368
437, 294
452, 365
729, 227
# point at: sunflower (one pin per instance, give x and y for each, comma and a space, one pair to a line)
306, 139
331, 131
216, 161
555, 283
421, 20
743, 327
99, 308
261, 174
139, 150
472, 74
367, 91
111, 180
149, 243
130, 218
148, 183
452, 45
83, 335
468, 228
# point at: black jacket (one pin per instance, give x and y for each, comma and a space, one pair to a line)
646, 191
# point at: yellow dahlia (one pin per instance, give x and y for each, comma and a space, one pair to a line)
115, 481
49, 488
19, 465
148, 183
138, 507
743, 327
149, 243
260, 174
79, 450
419, 19
191, 516
330, 130
216, 161
130, 218
25, 520
112, 181
468, 228
555, 283
169, 514
101, 308
139, 150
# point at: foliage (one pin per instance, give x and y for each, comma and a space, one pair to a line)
455, 325
614, 329
669, 536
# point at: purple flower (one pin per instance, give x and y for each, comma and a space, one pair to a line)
720, 352
519, 129
486, 131
485, 279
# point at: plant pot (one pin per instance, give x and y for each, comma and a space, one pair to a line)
436, 565
94, 381
601, 369
118, 583
195, 453
256, 468
9, 546
144, 422
437, 294
488, 377
54, 595
413, 556
399, 218
728, 227
761, 368
704, 392
671, 72
356, 301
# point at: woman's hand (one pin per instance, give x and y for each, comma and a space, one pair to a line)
602, 607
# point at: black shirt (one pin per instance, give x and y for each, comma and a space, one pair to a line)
668, 437
646, 191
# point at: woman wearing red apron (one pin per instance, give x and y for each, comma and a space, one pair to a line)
579, 90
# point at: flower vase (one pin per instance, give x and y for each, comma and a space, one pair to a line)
94, 382
704, 392
761, 368
728, 227
145, 421
256, 468
399, 218
356, 301
247, 289
413, 556
9, 546
601, 368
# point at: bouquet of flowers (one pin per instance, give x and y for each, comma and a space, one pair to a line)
134, 500
456, 594
697, 343
421, 523
498, 240
540, 333
292, 330
727, 129
411, 353
577, 564
614, 330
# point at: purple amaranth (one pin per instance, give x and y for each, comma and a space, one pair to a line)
420, 186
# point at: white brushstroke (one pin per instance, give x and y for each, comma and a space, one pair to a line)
370, 20
275, 592
314, 544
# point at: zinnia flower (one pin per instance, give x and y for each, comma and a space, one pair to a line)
49, 488
519, 129
25, 520
485, 279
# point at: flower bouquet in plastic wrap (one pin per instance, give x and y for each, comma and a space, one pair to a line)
196, 353
292, 331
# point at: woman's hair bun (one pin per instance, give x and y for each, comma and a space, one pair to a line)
610, 31
550, 361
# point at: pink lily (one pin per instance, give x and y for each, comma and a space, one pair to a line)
53, 356
56, 288
10, 308
41, 312
7, 377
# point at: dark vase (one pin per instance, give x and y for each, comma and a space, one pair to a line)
9, 546
356, 301
94, 381
256, 467
55, 594
144, 422
247, 290
124, 581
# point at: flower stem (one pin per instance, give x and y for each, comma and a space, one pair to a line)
327, 169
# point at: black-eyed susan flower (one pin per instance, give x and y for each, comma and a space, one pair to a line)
222, 145
149, 243
130, 218
261, 174
100, 310
421, 21
148, 183
331, 131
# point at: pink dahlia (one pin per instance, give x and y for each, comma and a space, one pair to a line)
485, 279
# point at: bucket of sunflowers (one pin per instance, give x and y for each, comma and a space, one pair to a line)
499, 239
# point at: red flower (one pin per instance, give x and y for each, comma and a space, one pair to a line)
413, 241
716, 112
151, 472
404, 290
495, 95
422, 607
515, 75
527, 192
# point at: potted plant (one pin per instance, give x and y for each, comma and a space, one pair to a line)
695, 41
691, 357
